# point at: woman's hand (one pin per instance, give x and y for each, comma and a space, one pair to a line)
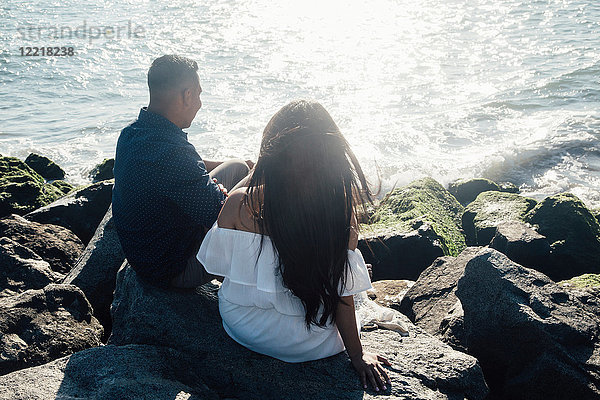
369, 367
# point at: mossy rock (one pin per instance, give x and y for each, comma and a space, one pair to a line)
63, 187
467, 190
573, 233
22, 189
423, 200
508, 187
596, 213
103, 171
488, 210
584, 281
45, 166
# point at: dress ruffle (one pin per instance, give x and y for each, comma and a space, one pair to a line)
253, 279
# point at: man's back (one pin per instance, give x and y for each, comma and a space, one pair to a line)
163, 197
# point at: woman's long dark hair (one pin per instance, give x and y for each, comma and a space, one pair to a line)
306, 184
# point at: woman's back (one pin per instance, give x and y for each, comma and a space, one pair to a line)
258, 311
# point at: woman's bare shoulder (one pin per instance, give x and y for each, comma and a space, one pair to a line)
229, 217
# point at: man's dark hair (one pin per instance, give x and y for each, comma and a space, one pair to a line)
169, 72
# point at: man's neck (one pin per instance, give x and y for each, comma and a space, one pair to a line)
162, 111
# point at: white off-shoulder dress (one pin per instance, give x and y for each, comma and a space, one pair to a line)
258, 312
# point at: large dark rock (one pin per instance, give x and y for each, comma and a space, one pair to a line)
80, 211
467, 190
96, 271
54, 244
45, 167
488, 210
110, 373
401, 255
42, 325
22, 269
534, 340
22, 189
411, 227
424, 368
523, 245
430, 300
573, 233
103, 171
422, 201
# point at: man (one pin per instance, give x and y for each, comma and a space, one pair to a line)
165, 196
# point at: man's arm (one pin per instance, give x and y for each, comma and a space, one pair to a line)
191, 190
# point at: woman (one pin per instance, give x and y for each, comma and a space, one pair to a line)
286, 246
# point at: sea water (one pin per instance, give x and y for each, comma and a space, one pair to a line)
503, 89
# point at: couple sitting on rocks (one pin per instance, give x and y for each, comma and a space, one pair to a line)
282, 234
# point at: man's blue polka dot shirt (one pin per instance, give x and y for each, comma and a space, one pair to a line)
162, 197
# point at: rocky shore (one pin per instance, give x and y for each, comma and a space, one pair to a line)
501, 294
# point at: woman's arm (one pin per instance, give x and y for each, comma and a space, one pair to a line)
367, 365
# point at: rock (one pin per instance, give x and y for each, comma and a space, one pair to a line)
103, 171
80, 211
62, 186
519, 242
596, 213
56, 245
45, 167
42, 325
22, 189
482, 216
96, 271
586, 288
22, 269
573, 233
508, 187
466, 190
424, 213
533, 339
429, 301
189, 322
401, 255
109, 373
389, 293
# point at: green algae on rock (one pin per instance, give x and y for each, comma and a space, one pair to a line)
103, 171
596, 213
573, 233
583, 281
467, 190
424, 200
22, 189
488, 210
45, 166
62, 186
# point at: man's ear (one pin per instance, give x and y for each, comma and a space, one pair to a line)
186, 96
